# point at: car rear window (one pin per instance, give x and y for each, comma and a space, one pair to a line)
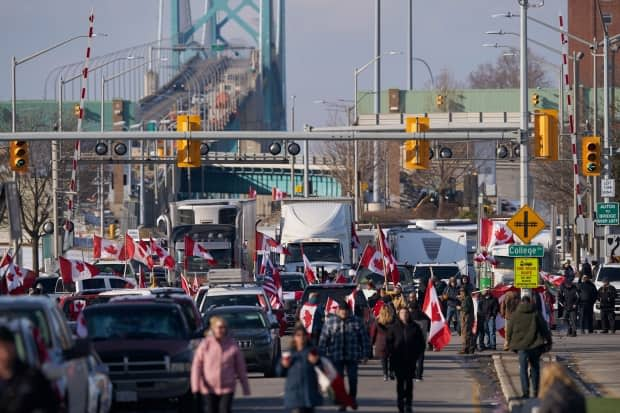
135, 322
292, 284
114, 269
114, 283
93, 283
244, 320
232, 300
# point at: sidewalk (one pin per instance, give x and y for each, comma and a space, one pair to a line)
593, 359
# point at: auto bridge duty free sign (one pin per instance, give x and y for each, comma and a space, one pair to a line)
526, 272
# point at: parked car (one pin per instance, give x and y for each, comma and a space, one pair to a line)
257, 337
293, 286
100, 282
68, 358
612, 272
147, 346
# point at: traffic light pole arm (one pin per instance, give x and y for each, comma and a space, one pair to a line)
40, 52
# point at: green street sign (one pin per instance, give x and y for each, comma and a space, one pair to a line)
218, 47
607, 213
526, 251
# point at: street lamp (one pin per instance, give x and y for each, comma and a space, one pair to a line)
356, 72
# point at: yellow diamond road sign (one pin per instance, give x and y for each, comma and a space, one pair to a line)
526, 224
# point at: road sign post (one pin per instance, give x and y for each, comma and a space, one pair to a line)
607, 213
526, 272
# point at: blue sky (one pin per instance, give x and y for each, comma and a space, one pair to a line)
326, 39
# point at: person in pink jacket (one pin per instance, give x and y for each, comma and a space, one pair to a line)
217, 364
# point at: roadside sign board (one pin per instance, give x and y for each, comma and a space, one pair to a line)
526, 272
607, 213
526, 224
526, 251
608, 188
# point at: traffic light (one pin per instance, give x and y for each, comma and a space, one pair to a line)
188, 150
439, 100
535, 99
546, 134
417, 152
19, 156
591, 155
77, 111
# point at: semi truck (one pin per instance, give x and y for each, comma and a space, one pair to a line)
225, 227
321, 228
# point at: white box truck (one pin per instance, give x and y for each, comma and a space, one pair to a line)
319, 226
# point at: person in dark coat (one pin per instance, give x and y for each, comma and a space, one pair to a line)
558, 392
301, 389
452, 314
378, 334
481, 322
424, 322
23, 388
586, 268
490, 307
467, 322
529, 335
587, 297
405, 343
607, 297
569, 299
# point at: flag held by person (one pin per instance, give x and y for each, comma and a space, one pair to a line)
306, 316
194, 249
330, 381
165, 258
75, 270
389, 261
105, 248
372, 259
308, 271
439, 334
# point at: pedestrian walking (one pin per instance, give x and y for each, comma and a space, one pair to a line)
490, 308
378, 333
480, 320
23, 388
506, 308
607, 298
466, 283
569, 299
529, 335
587, 297
218, 364
301, 389
453, 314
586, 268
569, 271
467, 322
405, 343
558, 392
424, 323
344, 340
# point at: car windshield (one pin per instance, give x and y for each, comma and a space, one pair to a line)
441, 272
315, 251
255, 300
611, 273
135, 322
93, 283
38, 319
114, 269
47, 283
244, 320
292, 284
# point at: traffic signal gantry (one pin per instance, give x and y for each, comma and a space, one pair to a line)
19, 156
591, 155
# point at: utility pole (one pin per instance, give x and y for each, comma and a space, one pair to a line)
525, 115
377, 92
410, 48
606, 146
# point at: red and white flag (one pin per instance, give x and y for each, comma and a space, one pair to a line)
494, 233
484, 256
306, 316
355, 240
389, 262
194, 249
372, 259
139, 251
105, 248
17, 279
195, 285
350, 299
377, 308
165, 258
185, 285
439, 334
308, 271
141, 278
499, 292
75, 270
268, 244
340, 279
556, 280
330, 379
331, 306
277, 194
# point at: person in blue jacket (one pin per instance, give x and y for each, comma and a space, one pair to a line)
301, 389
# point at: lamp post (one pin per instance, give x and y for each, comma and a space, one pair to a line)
356, 72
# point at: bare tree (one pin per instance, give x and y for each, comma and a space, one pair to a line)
504, 73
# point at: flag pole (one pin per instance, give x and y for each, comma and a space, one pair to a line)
126, 257
359, 262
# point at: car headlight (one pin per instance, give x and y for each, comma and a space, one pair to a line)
263, 340
182, 362
180, 367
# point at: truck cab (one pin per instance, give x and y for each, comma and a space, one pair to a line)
325, 254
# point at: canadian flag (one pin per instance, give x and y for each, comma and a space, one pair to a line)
494, 233
439, 334
269, 244
306, 316
277, 194
377, 308
81, 329
165, 258
75, 270
355, 240
331, 306
556, 280
138, 251
484, 256
106, 249
341, 279
308, 271
329, 378
18, 280
350, 299
185, 285
194, 249
389, 262
372, 259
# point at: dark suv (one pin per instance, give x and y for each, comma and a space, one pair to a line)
257, 338
147, 345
